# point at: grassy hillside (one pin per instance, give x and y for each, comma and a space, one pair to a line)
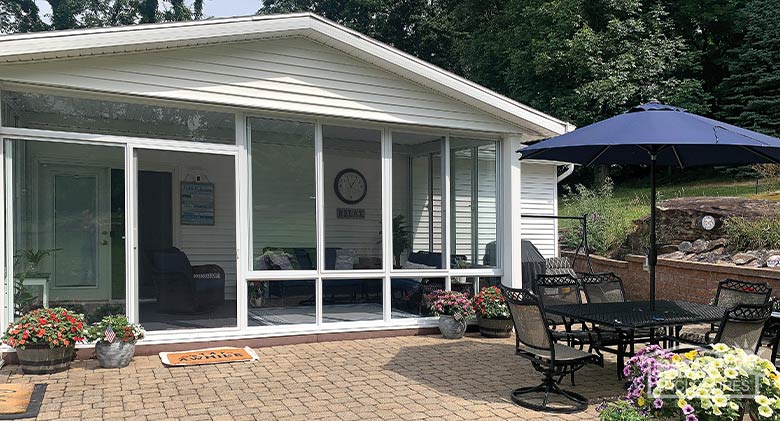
612, 212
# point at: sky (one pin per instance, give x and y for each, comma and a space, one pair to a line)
211, 8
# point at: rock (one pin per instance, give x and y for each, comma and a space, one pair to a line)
743, 258
773, 261
716, 244
667, 248
677, 255
699, 246
684, 246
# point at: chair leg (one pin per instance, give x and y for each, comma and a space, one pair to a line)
548, 388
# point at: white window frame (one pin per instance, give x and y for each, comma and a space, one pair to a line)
240, 152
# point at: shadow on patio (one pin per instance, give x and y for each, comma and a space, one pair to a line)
488, 370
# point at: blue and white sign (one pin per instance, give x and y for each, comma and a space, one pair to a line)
197, 203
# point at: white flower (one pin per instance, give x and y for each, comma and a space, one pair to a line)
720, 401
762, 400
765, 411
720, 347
730, 373
716, 411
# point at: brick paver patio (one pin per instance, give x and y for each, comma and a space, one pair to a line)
406, 378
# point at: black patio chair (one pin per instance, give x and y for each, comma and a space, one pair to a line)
558, 266
534, 342
730, 293
557, 290
742, 326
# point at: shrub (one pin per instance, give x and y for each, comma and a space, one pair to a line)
753, 234
620, 411
607, 222
105, 310
490, 304
53, 327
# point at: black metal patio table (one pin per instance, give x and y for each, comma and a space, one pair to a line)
624, 318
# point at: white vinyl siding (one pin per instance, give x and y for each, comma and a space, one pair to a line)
537, 197
289, 74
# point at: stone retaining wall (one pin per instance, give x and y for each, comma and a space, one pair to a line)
676, 279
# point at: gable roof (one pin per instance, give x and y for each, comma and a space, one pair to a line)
126, 39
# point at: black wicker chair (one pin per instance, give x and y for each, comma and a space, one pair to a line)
534, 342
742, 326
183, 288
557, 290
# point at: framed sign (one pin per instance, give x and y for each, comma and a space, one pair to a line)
197, 203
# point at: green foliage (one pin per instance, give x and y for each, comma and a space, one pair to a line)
402, 237
620, 411
755, 234
105, 310
123, 329
751, 92
607, 224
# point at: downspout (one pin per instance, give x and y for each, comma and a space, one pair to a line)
568, 172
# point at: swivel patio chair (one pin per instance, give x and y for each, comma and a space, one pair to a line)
730, 293
742, 327
534, 342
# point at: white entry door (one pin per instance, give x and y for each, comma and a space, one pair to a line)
75, 209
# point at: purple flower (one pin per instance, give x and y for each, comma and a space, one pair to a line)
658, 403
691, 417
688, 410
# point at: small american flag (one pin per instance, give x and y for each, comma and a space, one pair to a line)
110, 335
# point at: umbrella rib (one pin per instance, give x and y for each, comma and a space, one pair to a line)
761, 154
531, 155
677, 155
598, 155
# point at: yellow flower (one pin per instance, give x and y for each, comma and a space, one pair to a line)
641, 401
765, 411
691, 354
681, 403
676, 358
773, 375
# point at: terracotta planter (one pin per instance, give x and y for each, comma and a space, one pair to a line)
495, 328
451, 328
114, 355
40, 359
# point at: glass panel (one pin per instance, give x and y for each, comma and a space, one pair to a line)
473, 284
284, 220
409, 296
353, 198
70, 114
417, 201
274, 303
186, 240
474, 202
68, 227
351, 300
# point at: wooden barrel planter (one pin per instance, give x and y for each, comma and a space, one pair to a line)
40, 359
494, 328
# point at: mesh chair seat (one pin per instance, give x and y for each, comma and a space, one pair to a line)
741, 327
603, 287
562, 353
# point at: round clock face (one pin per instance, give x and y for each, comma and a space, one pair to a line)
350, 186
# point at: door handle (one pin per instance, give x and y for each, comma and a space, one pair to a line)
104, 243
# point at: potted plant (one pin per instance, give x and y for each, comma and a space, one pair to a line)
402, 238
493, 316
34, 257
116, 338
45, 339
256, 293
453, 308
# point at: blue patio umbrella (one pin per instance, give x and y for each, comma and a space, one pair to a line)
657, 134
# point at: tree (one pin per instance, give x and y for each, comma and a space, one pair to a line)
419, 27
750, 95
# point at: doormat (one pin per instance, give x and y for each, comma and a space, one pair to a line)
20, 400
208, 356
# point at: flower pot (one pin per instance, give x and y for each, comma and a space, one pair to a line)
256, 302
451, 328
495, 328
114, 355
40, 359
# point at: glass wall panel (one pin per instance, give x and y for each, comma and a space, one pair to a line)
474, 202
353, 198
71, 114
284, 221
410, 296
351, 300
274, 303
417, 201
186, 240
68, 227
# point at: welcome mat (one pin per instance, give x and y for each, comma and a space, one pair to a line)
208, 356
20, 400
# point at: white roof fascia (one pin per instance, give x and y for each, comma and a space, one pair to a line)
82, 42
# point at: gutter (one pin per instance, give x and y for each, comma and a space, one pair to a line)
568, 172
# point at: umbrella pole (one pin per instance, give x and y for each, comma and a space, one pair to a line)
652, 254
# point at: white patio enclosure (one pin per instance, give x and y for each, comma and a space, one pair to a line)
259, 176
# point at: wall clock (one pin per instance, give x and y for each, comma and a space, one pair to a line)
350, 186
